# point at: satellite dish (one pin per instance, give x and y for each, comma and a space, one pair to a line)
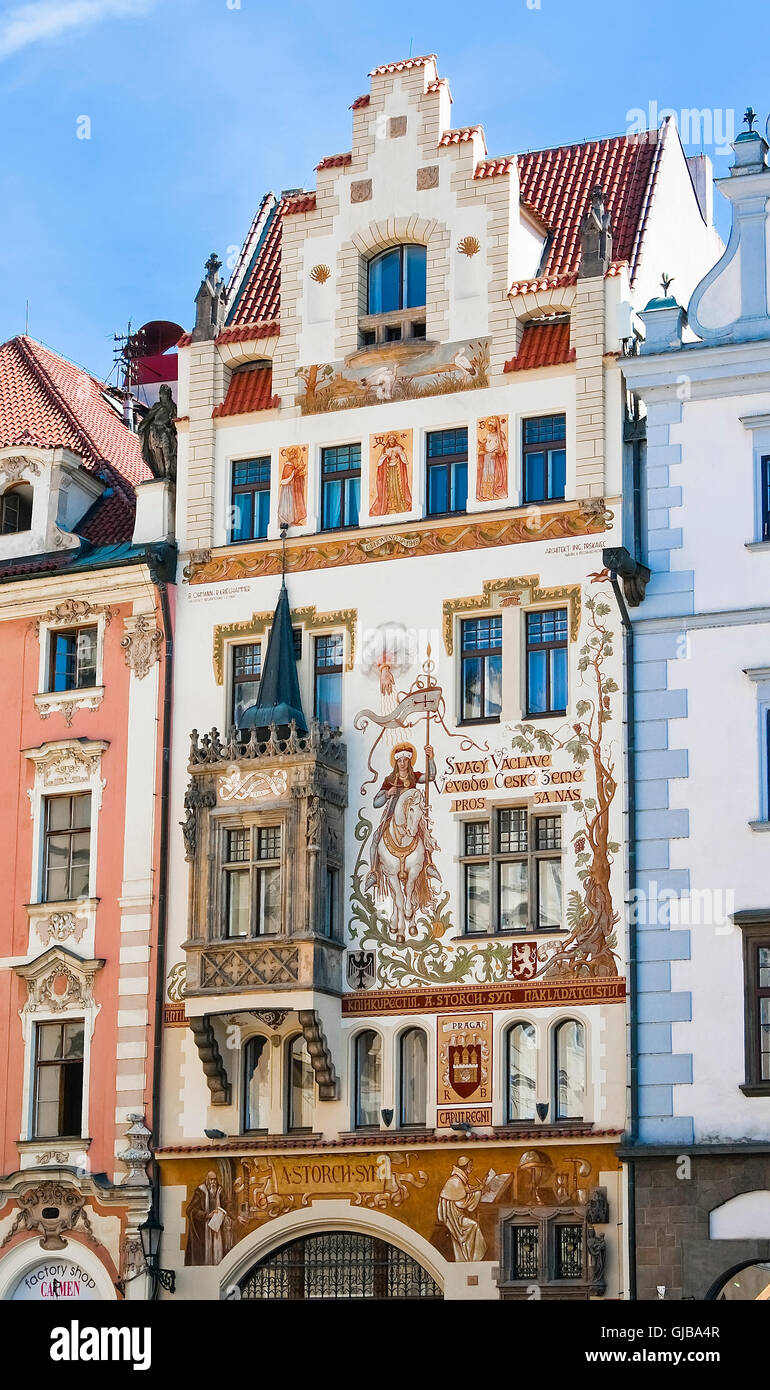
155, 337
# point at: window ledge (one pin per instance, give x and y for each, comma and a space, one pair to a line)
759, 825
757, 545
67, 702
755, 1088
474, 723
47, 1155
513, 934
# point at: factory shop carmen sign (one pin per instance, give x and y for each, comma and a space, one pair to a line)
469, 781
55, 1279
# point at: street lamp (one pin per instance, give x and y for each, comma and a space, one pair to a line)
150, 1233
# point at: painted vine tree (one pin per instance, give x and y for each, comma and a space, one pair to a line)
589, 950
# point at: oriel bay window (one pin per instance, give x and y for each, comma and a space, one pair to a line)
58, 1091
67, 847
327, 680
72, 662
250, 499
512, 872
252, 881
340, 486
481, 661
547, 633
544, 458
446, 468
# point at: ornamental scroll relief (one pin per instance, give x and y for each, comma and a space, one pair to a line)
141, 644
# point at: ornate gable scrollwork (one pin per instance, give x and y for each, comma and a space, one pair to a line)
58, 981
66, 763
141, 644
512, 593
307, 618
71, 611
51, 1208
12, 469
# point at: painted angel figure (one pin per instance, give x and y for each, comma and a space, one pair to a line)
492, 461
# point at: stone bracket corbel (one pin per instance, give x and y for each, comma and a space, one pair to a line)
211, 1060
320, 1056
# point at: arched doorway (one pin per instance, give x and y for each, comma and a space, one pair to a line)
745, 1283
338, 1264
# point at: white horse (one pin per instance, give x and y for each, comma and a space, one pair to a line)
403, 867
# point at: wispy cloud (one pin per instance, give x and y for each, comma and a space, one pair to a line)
46, 19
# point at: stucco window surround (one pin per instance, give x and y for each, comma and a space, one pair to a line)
759, 427
369, 242
71, 615
60, 989
760, 676
64, 768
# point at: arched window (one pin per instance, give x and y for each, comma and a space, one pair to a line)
256, 1084
301, 1085
16, 510
522, 1072
570, 1058
413, 1068
397, 280
368, 1079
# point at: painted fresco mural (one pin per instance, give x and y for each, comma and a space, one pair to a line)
401, 927
390, 472
455, 1200
292, 485
434, 371
492, 458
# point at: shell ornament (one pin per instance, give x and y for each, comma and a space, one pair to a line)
469, 246
320, 273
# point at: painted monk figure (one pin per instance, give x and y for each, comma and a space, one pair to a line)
393, 491
208, 1224
292, 510
460, 1196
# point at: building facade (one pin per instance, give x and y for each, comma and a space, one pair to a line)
701, 1157
395, 1018
82, 679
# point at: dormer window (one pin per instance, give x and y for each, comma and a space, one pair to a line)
16, 510
397, 280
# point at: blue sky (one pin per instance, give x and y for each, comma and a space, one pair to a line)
197, 107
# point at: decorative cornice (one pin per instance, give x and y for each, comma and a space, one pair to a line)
13, 469
256, 626
72, 611
512, 593
58, 981
68, 702
475, 532
67, 761
530, 994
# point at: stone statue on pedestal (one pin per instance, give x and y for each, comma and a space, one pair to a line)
157, 432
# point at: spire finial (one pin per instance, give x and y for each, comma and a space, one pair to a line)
212, 265
665, 281
749, 117
284, 529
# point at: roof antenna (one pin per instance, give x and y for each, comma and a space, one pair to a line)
26, 321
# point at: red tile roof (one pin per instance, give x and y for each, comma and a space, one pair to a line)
360, 101
543, 282
461, 134
335, 161
48, 403
557, 183
250, 389
555, 186
542, 345
403, 66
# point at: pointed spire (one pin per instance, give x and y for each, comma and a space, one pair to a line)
278, 699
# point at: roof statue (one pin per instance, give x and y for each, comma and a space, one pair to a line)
157, 432
595, 237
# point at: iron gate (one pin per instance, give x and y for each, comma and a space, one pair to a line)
338, 1264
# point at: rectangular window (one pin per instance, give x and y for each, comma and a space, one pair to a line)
525, 1252
252, 872
447, 472
544, 458
327, 703
72, 659
250, 499
340, 486
58, 1091
247, 668
481, 658
568, 1263
512, 873
547, 662
765, 486
67, 848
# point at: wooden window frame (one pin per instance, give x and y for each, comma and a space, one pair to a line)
256, 865
342, 476
532, 855
556, 645
542, 448
71, 830
450, 461
474, 654
755, 930
328, 670
764, 495
55, 634
236, 680
61, 1063
252, 490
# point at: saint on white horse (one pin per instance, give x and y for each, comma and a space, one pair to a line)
402, 845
